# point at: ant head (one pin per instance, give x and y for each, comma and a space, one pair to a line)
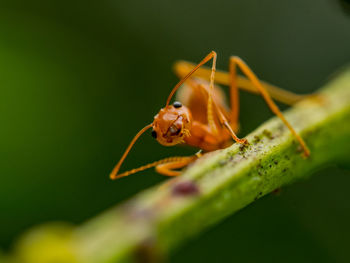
172, 124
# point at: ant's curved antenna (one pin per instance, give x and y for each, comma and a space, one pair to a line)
205, 60
114, 174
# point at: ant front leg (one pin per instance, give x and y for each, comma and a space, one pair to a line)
236, 61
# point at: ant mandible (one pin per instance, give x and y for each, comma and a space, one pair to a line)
203, 119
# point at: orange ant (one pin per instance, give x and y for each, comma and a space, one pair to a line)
203, 119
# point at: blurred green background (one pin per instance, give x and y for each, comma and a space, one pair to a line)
79, 79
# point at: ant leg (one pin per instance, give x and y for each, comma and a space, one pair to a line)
181, 68
168, 168
255, 81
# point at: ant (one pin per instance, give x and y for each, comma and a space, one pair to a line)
203, 119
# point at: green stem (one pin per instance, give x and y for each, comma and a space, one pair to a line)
158, 220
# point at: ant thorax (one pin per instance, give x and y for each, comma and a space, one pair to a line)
172, 124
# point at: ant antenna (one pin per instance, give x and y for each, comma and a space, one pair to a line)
205, 60
114, 173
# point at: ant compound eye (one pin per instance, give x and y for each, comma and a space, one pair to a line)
154, 134
177, 104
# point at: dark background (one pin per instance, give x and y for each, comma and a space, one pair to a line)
79, 79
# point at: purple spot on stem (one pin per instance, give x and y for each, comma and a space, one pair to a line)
185, 188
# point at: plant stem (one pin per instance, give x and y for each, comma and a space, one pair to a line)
158, 220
